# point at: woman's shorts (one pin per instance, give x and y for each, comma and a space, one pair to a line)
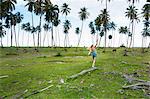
93, 54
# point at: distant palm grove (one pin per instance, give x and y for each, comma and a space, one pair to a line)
10, 22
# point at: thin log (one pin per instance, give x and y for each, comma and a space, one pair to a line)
5, 76
145, 85
130, 79
82, 72
39, 91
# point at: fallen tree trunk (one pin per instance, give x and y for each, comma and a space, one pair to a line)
5, 76
138, 84
144, 85
82, 72
131, 79
39, 91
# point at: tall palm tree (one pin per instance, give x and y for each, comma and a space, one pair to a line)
46, 29
52, 13
83, 14
105, 20
9, 5
65, 9
131, 13
146, 15
124, 31
9, 23
23, 26
91, 26
77, 31
19, 20
145, 33
132, 1
39, 10
109, 37
56, 23
101, 34
67, 26
27, 28
31, 7
113, 28
2, 33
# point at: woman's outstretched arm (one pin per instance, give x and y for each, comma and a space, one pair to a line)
96, 42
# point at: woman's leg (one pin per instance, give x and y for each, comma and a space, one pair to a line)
94, 60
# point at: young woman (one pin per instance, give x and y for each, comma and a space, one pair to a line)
92, 52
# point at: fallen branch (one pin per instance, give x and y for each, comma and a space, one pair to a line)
82, 72
130, 79
5, 76
39, 91
139, 84
145, 85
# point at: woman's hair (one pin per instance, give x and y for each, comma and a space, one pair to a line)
91, 46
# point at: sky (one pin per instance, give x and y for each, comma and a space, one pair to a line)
116, 10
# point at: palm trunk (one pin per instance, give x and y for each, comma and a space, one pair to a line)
28, 39
1, 42
48, 39
92, 38
22, 38
127, 40
59, 37
80, 34
99, 41
7, 36
18, 34
52, 36
131, 36
33, 39
68, 41
15, 36
65, 45
105, 37
39, 32
44, 38
11, 36
113, 40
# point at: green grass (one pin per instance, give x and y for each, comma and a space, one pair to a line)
31, 70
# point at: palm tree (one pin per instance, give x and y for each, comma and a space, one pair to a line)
124, 30
27, 28
67, 26
109, 37
2, 33
132, 15
8, 5
101, 35
113, 28
65, 9
19, 20
52, 13
23, 26
46, 29
77, 31
145, 33
146, 15
106, 2
91, 26
9, 23
83, 14
56, 23
132, 1
31, 8
105, 20
39, 10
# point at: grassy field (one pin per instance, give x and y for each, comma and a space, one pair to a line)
28, 71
